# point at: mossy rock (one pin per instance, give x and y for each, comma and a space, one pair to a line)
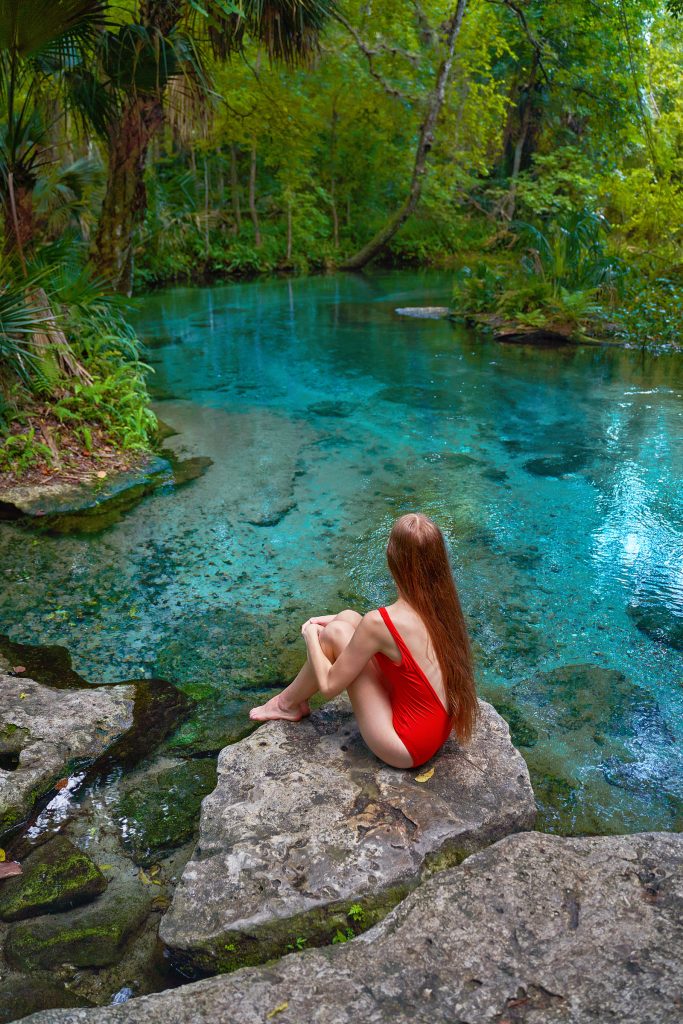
56, 876
162, 811
217, 720
91, 936
21, 995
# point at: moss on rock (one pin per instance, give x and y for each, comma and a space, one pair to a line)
162, 811
89, 936
56, 876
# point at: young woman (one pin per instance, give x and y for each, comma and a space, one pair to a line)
407, 667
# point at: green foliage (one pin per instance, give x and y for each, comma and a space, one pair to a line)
476, 289
298, 944
650, 316
67, 353
343, 936
20, 452
356, 913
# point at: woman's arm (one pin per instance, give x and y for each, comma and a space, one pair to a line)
334, 678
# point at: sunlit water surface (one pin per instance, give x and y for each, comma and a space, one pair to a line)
555, 474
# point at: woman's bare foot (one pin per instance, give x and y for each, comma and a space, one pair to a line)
273, 710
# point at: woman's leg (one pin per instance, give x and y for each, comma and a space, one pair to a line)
368, 694
374, 714
369, 699
291, 703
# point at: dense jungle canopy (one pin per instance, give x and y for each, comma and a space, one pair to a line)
537, 148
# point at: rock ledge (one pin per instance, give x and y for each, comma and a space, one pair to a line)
536, 929
305, 821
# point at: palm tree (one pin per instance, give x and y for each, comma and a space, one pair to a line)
169, 38
44, 47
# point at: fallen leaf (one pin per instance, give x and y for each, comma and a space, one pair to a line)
105, 867
22, 696
3, 856
424, 776
10, 868
146, 880
62, 784
18, 669
277, 1009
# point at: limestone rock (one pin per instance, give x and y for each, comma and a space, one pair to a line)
49, 730
56, 876
305, 821
84, 507
424, 312
536, 928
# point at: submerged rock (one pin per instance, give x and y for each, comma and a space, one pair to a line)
305, 822
160, 812
56, 876
535, 928
658, 622
91, 936
21, 994
53, 730
573, 724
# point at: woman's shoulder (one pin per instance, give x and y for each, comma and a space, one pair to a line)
373, 619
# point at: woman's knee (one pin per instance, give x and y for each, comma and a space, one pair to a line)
335, 636
348, 615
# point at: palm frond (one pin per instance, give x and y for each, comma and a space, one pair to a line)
289, 29
49, 27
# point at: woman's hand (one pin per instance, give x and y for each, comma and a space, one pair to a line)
311, 630
322, 620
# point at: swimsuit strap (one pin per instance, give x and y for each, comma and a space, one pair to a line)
400, 642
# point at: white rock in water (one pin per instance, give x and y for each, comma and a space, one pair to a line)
424, 312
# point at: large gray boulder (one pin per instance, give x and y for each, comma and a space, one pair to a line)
44, 730
536, 928
305, 822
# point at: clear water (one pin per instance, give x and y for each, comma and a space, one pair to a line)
556, 475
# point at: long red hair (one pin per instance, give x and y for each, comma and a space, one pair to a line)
418, 561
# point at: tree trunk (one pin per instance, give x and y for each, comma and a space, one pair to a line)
234, 189
252, 198
19, 218
333, 177
125, 198
425, 142
335, 222
525, 109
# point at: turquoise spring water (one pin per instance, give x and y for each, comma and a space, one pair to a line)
555, 473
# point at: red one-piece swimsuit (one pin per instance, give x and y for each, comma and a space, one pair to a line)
420, 719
